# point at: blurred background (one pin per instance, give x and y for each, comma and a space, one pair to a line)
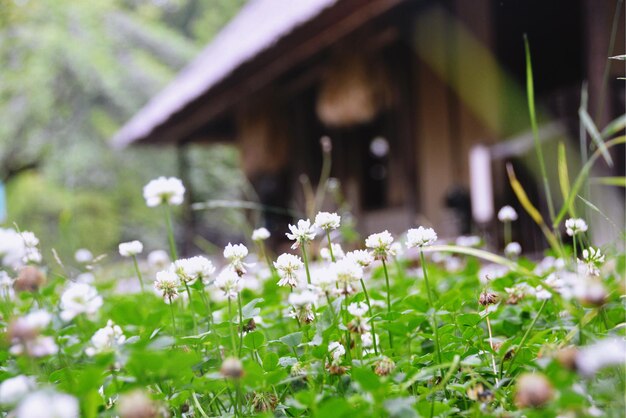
424, 102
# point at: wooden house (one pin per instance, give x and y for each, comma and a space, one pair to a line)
404, 88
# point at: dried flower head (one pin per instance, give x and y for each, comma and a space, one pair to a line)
29, 279
488, 298
533, 390
384, 366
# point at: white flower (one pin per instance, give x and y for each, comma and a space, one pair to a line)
362, 257
542, 294
106, 339
327, 221
39, 346
367, 339
12, 248
608, 352
167, 283
575, 226
490, 272
337, 252
228, 282
235, 255
324, 280
380, 244
420, 237
131, 248
36, 320
302, 233
15, 388
48, 404
195, 268
158, 259
592, 260
304, 298
336, 350
83, 256
513, 249
164, 190
30, 240
507, 214
346, 272
32, 256
358, 309
260, 234
287, 265
468, 241
79, 298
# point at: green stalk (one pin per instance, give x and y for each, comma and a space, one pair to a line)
525, 337
345, 320
240, 323
430, 302
330, 247
173, 317
507, 233
232, 330
138, 273
306, 263
388, 300
369, 309
193, 314
170, 233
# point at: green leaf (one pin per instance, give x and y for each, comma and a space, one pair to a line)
254, 340
564, 176
609, 181
250, 310
292, 340
270, 361
468, 320
368, 380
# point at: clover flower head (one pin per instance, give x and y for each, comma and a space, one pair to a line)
301, 233
324, 280
513, 249
169, 191
362, 257
287, 265
79, 298
303, 298
167, 283
358, 309
592, 260
337, 252
228, 281
575, 226
380, 244
15, 388
131, 248
235, 255
195, 268
30, 240
336, 350
327, 221
106, 339
260, 234
507, 214
346, 272
420, 237
46, 403
601, 354
83, 256
158, 259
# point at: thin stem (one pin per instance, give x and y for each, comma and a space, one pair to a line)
306, 263
388, 300
173, 317
232, 330
369, 309
330, 306
345, 320
575, 250
493, 355
193, 314
507, 233
526, 334
170, 232
432, 307
138, 273
330, 247
240, 323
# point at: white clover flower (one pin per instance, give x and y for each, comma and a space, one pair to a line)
158, 259
15, 388
468, 241
592, 260
32, 256
106, 339
167, 283
607, 352
304, 298
12, 248
367, 339
513, 249
38, 346
507, 214
260, 234
287, 265
327, 221
79, 298
336, 351
6, 285
88, 278
337, 252
131, 248
169, 191
36, 320
228, 281
235, 255
83, 256
30, 240
380, 244
362, 257
542, 294
47, 404
575, 226
420, 237
358, 309
302, 233
549, 264
346, 272
324, 280
191, 269
490, 272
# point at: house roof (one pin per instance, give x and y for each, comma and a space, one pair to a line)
257, 27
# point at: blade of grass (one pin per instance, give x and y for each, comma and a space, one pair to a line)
564, 175
595, 208
584, 172
618, 181
595, 135
616, 125
519, 191
530, 92
485, 255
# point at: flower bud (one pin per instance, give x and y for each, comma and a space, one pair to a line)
384, 366
30, 279
533, 390
264, 402
137, 404
232, 368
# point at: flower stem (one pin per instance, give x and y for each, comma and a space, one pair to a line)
330, 306
240, 323
173, 317
306, 263
526, 334
388, 301
345, 320
170, 233
575, 250
507, 233
493, 355
138, 273
330, 247
430, 302
193, 314
369, 309
232, 329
